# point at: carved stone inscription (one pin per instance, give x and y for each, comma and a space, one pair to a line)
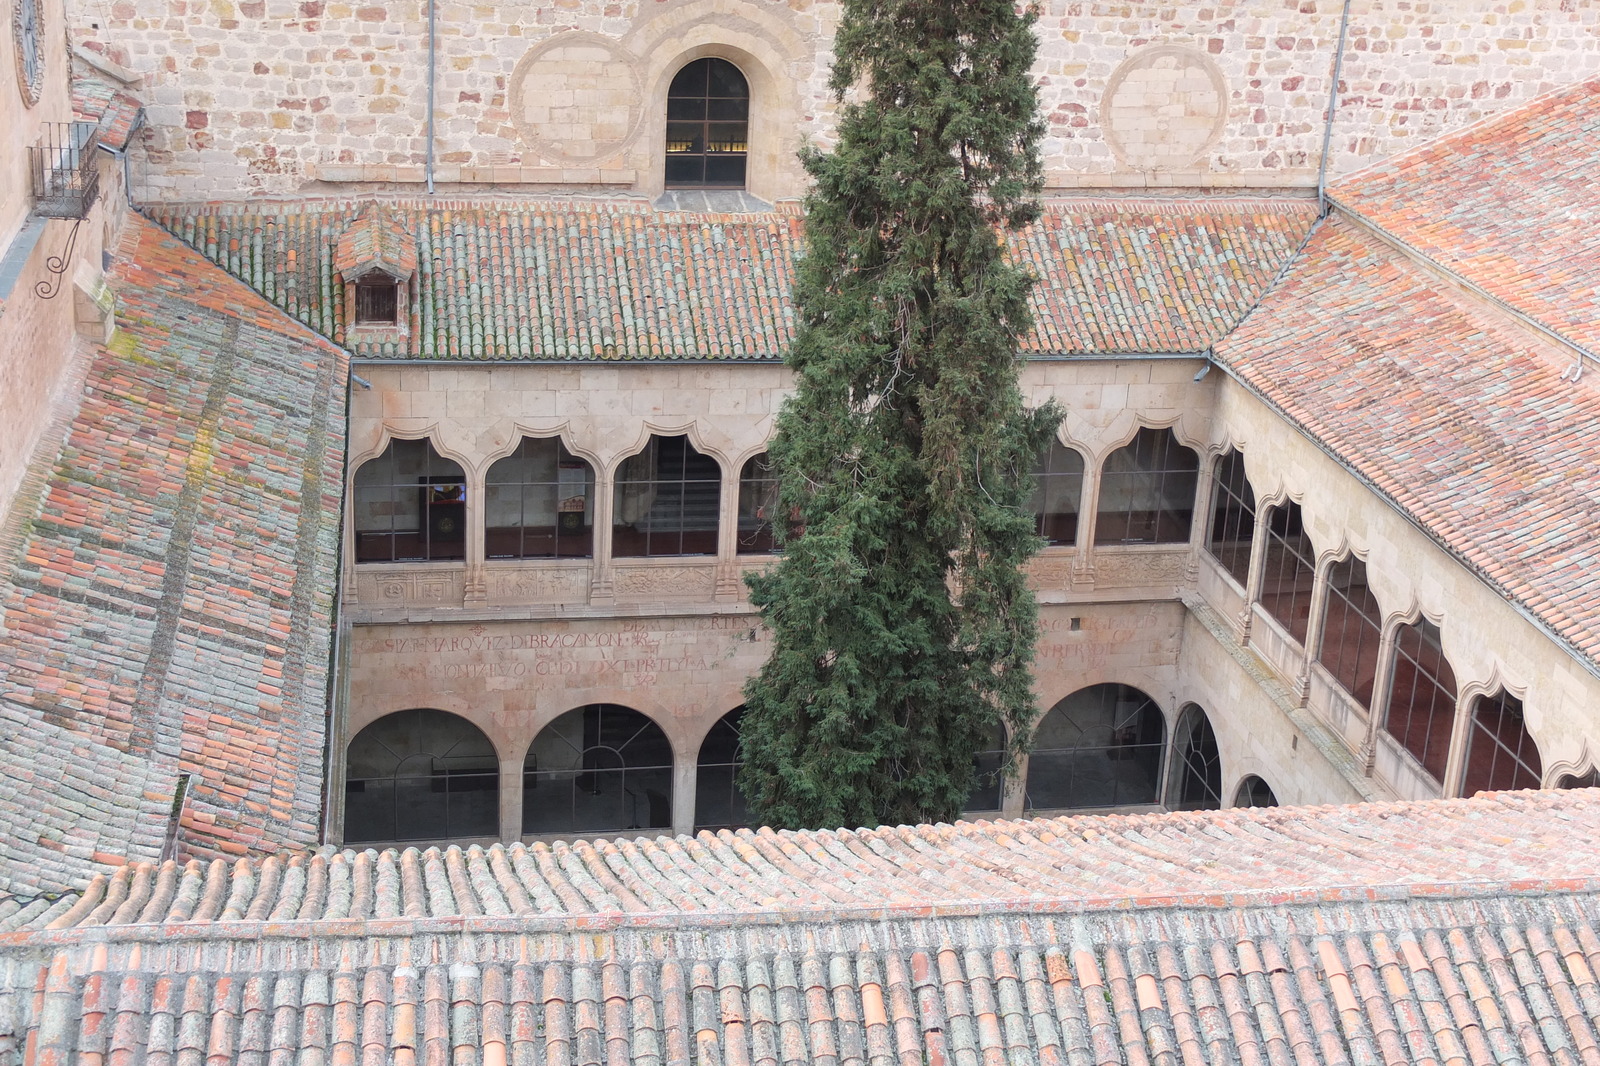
613, 652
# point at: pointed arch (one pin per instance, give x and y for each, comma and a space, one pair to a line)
409, 503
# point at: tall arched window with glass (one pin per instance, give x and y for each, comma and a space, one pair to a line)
1147, 491
1501, 754
410, 503
708, 126
1289, 570
1422, 696
1233, 517
539, 503
1058, 494
667, 502
1351, 629
758, 506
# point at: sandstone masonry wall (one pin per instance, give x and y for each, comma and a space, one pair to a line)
277, 96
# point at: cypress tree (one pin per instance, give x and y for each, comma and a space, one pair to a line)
902, 627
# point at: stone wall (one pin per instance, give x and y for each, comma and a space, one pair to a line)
278, 96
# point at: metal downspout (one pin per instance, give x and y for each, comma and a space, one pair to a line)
432, 77
1333, 107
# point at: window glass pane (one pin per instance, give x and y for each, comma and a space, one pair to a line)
667, 501
1233, 517
1289, 572
1254, 792
729, 110
1147, 491
1500, 753
420, 775
1351, 629
708, 111
724, 79
693, 110
539, 503
1100, 747
598, 769
988, 775
409, 504
718, 803
1058, 494
1196, 780
758, 504
1422, 701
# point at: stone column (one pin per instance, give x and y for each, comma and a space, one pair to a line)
1314, 626
1383, 682
683, 788
510, 799
1258, 570
601, 590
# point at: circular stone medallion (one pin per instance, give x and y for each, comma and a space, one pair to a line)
575, 97
1164, 107
29, 41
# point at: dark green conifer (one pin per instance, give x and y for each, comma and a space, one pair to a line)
902, 628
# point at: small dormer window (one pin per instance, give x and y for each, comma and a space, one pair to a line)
377, 300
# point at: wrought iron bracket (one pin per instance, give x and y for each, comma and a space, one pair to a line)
50, 287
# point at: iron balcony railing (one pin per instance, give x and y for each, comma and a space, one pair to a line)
65, 177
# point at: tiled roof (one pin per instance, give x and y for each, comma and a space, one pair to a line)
375, 240
1462, 419
1510, 204
580, 281
95, 99
166, 583
1451, 931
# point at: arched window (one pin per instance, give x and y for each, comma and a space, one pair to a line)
708, 126
1500, 753
1290, 570
539, 503
1254, 792
758, 504
410, 503
1058, 494
1147, 491
1196, 776
598, 769
1351, 629
1233, 517
1588, 780
420, 775
988, 775
1100, 747
718, 803
667, 501
1422, 696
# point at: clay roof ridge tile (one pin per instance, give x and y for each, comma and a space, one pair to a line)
532, 880
439, 900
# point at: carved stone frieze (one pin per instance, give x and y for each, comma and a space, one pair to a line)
1137, 569
676, 581
398, 588
538, 584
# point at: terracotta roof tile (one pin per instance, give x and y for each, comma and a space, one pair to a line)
1465, 422
623, 282
375, 239
115, 111
1508, 203
168, 579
